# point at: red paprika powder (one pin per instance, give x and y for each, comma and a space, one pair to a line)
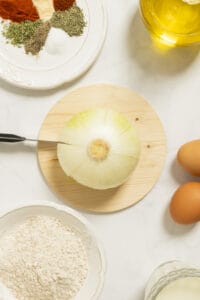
63, 4
18, 10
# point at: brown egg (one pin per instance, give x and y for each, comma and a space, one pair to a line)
185, 203
189, 157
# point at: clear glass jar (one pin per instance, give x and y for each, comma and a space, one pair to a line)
172, 22
166, 274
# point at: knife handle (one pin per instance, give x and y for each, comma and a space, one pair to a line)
11, 138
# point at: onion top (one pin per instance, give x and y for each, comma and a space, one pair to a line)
103, 148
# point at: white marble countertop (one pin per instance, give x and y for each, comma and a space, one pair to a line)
140, 238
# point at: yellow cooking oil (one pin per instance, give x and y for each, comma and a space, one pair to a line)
173, 22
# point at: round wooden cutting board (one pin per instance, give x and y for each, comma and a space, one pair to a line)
152, 158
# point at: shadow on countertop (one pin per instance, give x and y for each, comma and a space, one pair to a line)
153, 60
180, 175
37, 94
139, 296
17, 148
173, 228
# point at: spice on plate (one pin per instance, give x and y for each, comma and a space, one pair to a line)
63, 4
18, 33
71, 21
45, 8
37, 41
31, 20
18, 10
43, 258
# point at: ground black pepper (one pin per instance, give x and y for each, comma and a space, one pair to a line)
37, 41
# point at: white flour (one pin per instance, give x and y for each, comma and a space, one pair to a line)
43, 259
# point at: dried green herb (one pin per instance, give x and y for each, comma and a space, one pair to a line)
71, 21
18, 33
37, 41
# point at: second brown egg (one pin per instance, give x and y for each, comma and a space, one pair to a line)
185, 204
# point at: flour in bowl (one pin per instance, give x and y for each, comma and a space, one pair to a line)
43, 259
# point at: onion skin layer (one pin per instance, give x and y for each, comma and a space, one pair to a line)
104, 149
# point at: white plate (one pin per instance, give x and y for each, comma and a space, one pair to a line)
95, 279
63, 58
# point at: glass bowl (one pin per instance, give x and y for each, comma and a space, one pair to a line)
167, 273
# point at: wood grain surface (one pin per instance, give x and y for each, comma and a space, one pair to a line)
152, 158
